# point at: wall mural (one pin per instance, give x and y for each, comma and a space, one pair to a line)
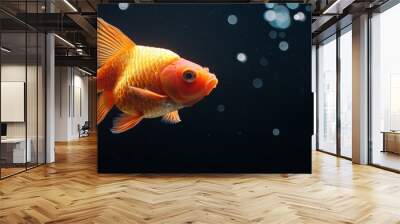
204, 88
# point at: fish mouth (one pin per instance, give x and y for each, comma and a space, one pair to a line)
212, 84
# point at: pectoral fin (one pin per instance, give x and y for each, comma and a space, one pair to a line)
125, 122
171, 118
146, 94
104, 105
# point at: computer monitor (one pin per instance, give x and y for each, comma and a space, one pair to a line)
3, 129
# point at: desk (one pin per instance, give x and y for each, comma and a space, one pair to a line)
391, 141
13, 150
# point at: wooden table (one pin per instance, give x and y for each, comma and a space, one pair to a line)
391, 141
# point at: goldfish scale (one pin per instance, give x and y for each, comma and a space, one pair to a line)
142, 71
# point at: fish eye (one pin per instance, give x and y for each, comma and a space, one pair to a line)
189, 76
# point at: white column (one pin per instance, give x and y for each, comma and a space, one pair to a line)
50, 92
360, 90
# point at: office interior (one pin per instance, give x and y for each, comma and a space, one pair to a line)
334, 74
48, 81
23, 76
28, 55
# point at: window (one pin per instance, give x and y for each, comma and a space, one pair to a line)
385, 89
346, 93
327, 96
314, 86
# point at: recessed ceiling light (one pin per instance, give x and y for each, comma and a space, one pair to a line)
65, 41
329, 9
5, 50
70, 5
84, 71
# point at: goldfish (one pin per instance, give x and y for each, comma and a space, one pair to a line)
143, 81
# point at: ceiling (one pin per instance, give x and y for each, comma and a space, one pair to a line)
75, 22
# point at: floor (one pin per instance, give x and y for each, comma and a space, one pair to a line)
387, 159
71, 191
10, 171
5, 172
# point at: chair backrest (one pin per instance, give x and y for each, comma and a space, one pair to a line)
86, 125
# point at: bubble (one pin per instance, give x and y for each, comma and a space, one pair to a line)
270, 15
308, 8
241, 57
283, 45
282, 18
299, 17
263, 62
257, 83
276, 132
269, 5
232, 19
221, 108
123, 6
292, 5
272, 34
282, 35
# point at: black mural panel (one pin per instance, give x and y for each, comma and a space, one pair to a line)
238, 75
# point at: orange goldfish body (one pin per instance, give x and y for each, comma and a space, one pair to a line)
144, 82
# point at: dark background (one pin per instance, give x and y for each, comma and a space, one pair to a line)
239, 139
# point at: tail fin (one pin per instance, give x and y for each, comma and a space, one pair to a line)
110, 40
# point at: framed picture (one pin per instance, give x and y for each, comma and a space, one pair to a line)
188, 88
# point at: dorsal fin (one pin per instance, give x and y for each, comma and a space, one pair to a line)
110, 40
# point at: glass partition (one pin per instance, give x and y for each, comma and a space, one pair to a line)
22, 91
13, 94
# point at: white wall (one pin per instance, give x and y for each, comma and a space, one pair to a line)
33, 127
71, 102
16, 73
80, 103
61, 103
